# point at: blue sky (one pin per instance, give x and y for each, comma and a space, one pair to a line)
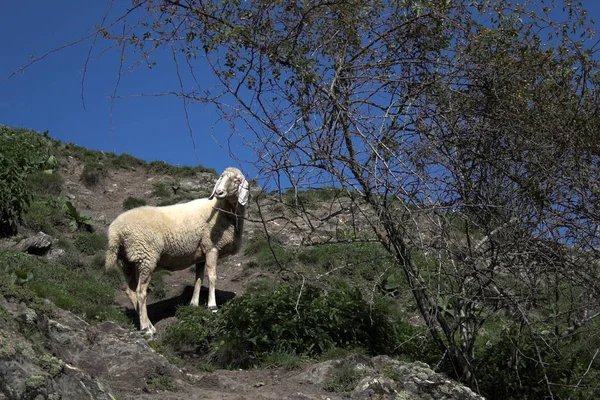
47, 96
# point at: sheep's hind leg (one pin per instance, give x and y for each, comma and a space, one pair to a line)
131, 279
200, 267
141, 293
211, 262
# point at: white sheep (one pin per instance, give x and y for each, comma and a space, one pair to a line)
177, 236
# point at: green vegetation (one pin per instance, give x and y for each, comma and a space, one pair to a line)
161, 189
161, 382
89, 243
268, 255
126, 161
93, 173
161, 167
310, 197
133, 202
47, 182
84, 292
22, 152
292, 323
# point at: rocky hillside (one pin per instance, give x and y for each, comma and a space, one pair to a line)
65, 338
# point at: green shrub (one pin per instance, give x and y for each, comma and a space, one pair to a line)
156, 289
77, 219
133, 202
43, 215
344, 377
268, 255
92, 174
307, 321
83, 292
81, 153
192, 331
161, 167
46, 182
161, 189
89, 243
21, 153
517, 364
127, 161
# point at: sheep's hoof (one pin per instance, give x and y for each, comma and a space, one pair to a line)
149, 332
213, 309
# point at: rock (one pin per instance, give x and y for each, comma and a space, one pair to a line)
38, 244
28, 371
384, 378
120, 356
192, 186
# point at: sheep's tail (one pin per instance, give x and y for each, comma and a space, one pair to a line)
112, 251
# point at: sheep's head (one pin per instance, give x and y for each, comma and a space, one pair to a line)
230, 184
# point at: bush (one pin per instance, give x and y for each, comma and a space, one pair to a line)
43, 215
126, 161
21, 153
308, 321
510, 368
93, 173
161, 189
133, 202
89, 243
46, 182
192, 332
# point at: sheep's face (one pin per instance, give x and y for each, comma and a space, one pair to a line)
231, 183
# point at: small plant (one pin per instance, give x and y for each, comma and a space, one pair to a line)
344, 377
47, 182
161, 382
89, 243
161, 189
133, 202
157, 285
192, 332
81, 291
78, 221
92, 174
127, 161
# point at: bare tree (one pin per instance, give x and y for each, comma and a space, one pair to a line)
463, 132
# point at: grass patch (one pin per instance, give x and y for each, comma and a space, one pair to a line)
156, 289
93, 173
47, 183
44, 215
161, 167
160, 383
126, 161
161, 189
344, 377
133, 202
268, 255
84, 292
89, 243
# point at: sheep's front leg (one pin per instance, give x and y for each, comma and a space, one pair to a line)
141, 293
200, 267
211, 263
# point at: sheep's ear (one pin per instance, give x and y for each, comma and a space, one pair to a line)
215, 188
243, 192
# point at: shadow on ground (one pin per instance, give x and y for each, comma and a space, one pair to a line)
166, 308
